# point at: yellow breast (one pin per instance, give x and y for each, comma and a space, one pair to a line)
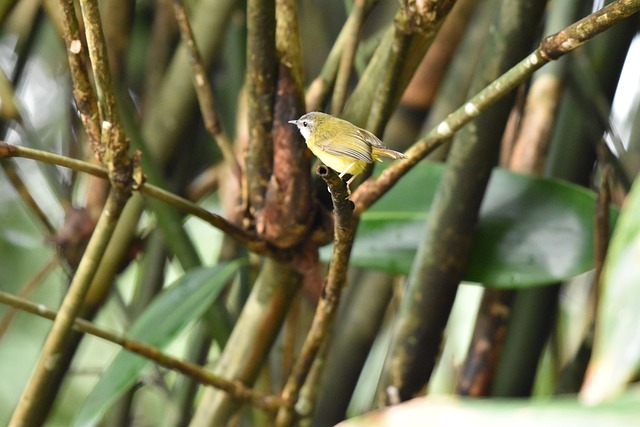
340, 164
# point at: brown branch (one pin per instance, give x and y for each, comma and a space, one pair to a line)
235, 389
261, 74
288, 208
344, 230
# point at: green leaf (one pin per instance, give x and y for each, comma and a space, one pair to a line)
532, 230
616, 353
170, 313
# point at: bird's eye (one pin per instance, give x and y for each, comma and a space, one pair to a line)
304, 124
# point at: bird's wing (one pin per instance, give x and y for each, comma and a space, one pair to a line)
370, 138
355, 148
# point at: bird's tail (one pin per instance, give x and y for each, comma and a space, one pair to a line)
378, 152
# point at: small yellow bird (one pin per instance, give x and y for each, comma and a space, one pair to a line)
344, 147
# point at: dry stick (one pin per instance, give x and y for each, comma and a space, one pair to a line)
355, 21
252, 242
551, 48
235, 388
203, 88
344, 231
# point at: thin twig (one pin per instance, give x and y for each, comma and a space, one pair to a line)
235, 389
352, 28
553, 47
320, 86
253, 243
11, 171
344, 230
203, 88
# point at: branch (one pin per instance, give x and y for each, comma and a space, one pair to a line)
42, 379
344, 230
553, 47
235, 389
352, 29
253, 243
261, 73
112, 136
203, 88
83, 93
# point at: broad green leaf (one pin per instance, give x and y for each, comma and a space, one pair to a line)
616, 354
532, 230
447, 411
170, 313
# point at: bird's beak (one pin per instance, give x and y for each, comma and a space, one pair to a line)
293, 122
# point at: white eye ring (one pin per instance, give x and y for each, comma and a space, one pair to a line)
304, 124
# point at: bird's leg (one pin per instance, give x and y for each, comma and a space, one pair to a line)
344, 172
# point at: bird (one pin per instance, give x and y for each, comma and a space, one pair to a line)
341, 145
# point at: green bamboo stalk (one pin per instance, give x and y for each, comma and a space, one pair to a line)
251, 340
441, 257
527, 157
27, 411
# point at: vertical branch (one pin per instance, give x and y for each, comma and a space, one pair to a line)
344, 231
83, 93
441, 259
261, 69
203, 87
352, 28
27, 411
288, 206
112, 136
319, 88
250, 341
419, 23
